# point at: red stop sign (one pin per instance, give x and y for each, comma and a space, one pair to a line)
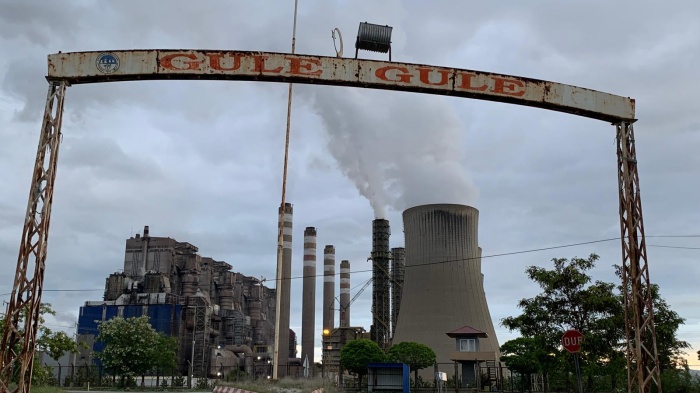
571, 340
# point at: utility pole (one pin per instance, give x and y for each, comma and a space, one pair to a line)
280, 235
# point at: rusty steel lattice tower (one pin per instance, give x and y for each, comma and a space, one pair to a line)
643, 370
18, 345
381, 324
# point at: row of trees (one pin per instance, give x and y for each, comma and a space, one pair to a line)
357, 354
570, 299
131, 346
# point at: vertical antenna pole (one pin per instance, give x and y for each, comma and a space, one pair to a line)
280, 229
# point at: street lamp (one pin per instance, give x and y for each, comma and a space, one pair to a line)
324, 353
219, 363
373, 38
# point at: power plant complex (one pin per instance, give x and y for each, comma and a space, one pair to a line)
430, 291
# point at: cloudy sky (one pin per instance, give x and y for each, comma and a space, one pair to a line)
201, 161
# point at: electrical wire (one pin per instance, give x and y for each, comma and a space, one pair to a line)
458, 259
676, 247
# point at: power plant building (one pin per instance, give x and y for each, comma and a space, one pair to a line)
430, 291
226, 319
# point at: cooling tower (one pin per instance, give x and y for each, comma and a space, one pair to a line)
328, 287
285, 290
381, 319
443, 286
308, 305
344, 293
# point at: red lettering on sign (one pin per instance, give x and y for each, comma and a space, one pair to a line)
511, 87
215, 62
260, 66
424, 74
192, 64
403, 76
466, 82
309, 67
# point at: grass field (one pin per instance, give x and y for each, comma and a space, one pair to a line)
47, 389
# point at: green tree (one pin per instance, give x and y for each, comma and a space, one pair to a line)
418, 356
165, 357
570, 299
55, 344
133, 347
527, 356
357, 354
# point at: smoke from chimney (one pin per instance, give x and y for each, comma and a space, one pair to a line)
399, 149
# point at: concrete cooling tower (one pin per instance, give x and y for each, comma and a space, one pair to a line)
443, 286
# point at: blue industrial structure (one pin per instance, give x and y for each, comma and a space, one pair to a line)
165, 318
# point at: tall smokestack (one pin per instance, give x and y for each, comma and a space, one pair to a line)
398, 255
443, 286
344, 293
144, 252
285, 289
380, 283
308, 305
328, 287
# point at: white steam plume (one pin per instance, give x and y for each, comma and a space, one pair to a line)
399, 149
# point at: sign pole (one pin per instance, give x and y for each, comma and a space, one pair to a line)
571, 341
577, 366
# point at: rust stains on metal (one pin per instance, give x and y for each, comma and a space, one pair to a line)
94, 67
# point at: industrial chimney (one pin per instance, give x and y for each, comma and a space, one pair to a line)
328, 287
284, 286
308, 305
443, 287
344, 293
144, 252
381, 320
398, 260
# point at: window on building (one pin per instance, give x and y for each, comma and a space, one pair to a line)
467, 345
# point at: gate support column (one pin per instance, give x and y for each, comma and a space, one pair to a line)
642, 357
19, 342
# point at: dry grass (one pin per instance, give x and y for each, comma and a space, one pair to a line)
285, 385
47, 389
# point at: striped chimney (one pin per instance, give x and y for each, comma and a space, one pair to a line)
285, 289
328, 287
344, 293
308, 305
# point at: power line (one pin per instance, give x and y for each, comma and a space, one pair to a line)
459, 259
677, 247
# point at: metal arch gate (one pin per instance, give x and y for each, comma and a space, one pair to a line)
65, 69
